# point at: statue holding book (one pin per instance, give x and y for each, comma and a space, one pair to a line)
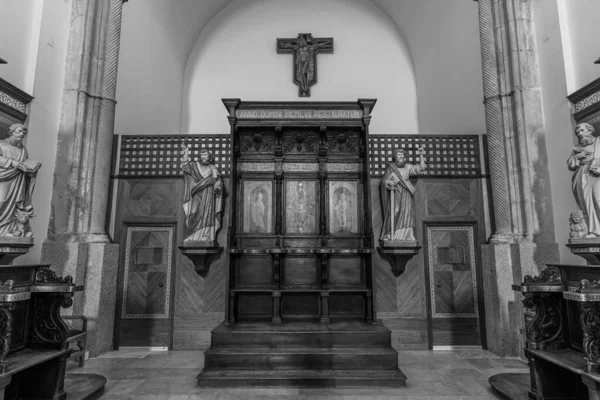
17, 181
397, 198
585, 161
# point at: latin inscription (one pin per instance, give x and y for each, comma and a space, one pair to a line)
299, 114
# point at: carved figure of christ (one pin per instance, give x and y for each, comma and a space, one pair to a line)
305, 49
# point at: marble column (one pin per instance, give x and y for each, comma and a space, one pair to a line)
77, 242
523, 239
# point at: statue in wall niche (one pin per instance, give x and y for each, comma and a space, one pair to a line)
202, 196
585, 161
397, 197
17, 181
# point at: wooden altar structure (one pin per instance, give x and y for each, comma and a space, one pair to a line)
300, 236
300, 241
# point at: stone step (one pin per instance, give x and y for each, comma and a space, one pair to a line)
302, 378
269, 358
302, 335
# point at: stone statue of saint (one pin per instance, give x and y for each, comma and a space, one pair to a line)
585, 161
397, 197
17, 180
202, 197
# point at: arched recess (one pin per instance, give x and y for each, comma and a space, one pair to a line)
235, 56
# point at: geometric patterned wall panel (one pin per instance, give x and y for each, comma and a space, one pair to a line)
452, 283
445, 156
160, 155
451, 255
148, 255
146, 273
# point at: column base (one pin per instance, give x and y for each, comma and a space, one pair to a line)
96, 266
505, 264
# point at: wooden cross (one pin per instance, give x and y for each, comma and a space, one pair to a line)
305, 49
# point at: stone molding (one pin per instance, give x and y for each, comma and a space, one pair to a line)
12, 102
586, 101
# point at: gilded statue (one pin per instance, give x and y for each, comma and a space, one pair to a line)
397, 197
203, 197
585, 161
17, 181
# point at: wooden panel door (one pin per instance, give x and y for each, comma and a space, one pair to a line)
454, 292
145, 307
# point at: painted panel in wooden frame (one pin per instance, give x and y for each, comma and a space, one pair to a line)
257, 204
301, 205
343, 207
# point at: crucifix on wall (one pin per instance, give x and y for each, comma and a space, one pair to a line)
305, 49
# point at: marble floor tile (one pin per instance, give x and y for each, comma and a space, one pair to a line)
432, 375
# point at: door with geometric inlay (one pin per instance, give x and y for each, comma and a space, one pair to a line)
146, 277
454, 287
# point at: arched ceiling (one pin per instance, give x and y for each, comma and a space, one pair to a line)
412, 17
442, 37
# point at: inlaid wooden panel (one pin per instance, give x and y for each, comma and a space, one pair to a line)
449, 199
346, 304
456, 332
254, 306
300, 271
191, 289
383, 278
453, 287
147, 280
299, 305
144, 332
345, 271
254, 271
151, 198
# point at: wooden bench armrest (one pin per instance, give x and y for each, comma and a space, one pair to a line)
82, 318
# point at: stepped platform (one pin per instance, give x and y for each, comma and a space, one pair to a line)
301, 354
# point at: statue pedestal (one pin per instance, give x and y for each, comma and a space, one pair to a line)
397, 253
201, 254
589, 249
12, 247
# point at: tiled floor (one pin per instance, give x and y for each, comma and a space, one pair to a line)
152, 375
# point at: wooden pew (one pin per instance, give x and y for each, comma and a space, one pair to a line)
34, 338
562, 326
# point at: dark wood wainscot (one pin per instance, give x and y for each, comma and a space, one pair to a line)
562, 319
33, 337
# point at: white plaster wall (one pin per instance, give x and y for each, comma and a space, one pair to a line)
581, 25
156, 38
443, 39
235, 56
557, 118
44, 113
19, 34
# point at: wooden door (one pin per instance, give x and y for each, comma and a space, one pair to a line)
455, 298
145, 301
